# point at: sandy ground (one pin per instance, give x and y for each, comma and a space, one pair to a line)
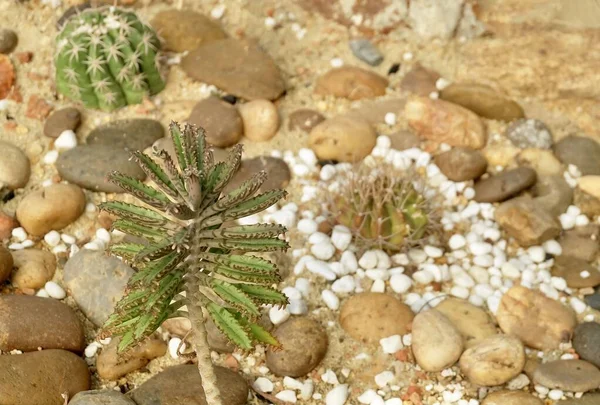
533, 54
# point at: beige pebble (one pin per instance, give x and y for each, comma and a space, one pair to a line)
342, 138
436, 342
260, 119
35, 267
111, 366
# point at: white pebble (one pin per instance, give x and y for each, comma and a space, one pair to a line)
90, 207
368, 260
27, 243
303, 285
52, 238
378, 286
537, 254
345, 284
292, 293
318, 238
384, 378
391, 344
307, 389
398, 401
270, 22
62, 248
331, 300
54, 290
298, 307
90, 350
341, 237
578, 305
460, 292
327, 172
308, 156
456, 242
42, 293
323, 251
218, 11
348, 260
336, 62
307, 226
368, 397
480, 248
263, 384
174, 345
50, 157
278, 315
581, 220
423, 277
19, 234
300, 169
390, 118
567, 221
433, 252
400, 283
321, 268
103, 235
553, 247
555, 395
289, 382
68, 239
287, 396
337, 396
66, 140
417, 256
329, 377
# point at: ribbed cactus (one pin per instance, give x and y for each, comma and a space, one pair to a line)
382, 208
107, 58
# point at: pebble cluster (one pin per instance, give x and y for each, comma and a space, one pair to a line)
498, 308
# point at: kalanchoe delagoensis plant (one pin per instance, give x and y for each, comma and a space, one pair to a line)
190, 258
107, 59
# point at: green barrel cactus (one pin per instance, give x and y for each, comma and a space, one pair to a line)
107, 59
383, 210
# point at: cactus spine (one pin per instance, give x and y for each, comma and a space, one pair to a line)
107, 59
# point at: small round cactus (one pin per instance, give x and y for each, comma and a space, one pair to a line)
107, 59
382, 207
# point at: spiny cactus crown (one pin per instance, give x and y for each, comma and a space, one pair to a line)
188, 248
382, 206
107, 58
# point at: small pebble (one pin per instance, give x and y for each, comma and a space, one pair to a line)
263, 384
52, 238
54, 290
331, 300
66, 140
391, 344
364, 50
287, 396
337, 395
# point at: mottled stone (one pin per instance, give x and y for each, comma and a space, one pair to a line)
304, 344
28, 323
483, 101
182, 385
96, 282
41, 377
240, 68
89, 166
304, 119
100, 397
420, 80
581, 242
504, 185
34, 268
511, 398
568, 375
364, 50
130, 134
529, 133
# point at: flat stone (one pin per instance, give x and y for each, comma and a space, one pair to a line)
511, 398
587, 399
8, 40
304, 119
529, 133
129, 134
404, 139
473, 323
586, 342
581, 242
436, 343
182, 385
493, 361
61, 120
579, 151
364, 50
461, 164
112, 366
443, 122
568, 375
34, 268
28, 323
240, 68
540, 322
505, 185
221, 121
89, 165
100, 397
304, 344
420, 81
14, 167
343, 139
525, 220
370, 317
577, 272
351, 82
483, 101
185, 30
96, 282
51, 372
51, 208
553, 194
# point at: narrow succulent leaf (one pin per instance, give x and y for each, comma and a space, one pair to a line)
138, 189
244, 232
235, 297
246, 275
230, 326
263, 294
133, 228
178, 145
246, 245
218, 179
239, 261
200, 149
150, 270
258, 333
125, 250
156, 173
169, 286
134, 212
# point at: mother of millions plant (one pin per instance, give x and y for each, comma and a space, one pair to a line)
190, 256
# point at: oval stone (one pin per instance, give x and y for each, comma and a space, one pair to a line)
370, 317
540, 322
100, 397
14, 167
511, 398
35, 267
529, 133
28, 323
461, 164
182, 385
579, 151
577, 272
130, 134
304, 119
504, 185
6, 263
112, 366
303, 345
51, 372
351, 82
343, 139
483, 101
586, 341
89, 165
221, 121
61, 120
185, 30
472, 322
568, 375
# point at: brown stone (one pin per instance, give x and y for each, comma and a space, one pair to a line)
34, 268
461, 164
62, 120
472, 322
304, 119
185, 30
221, 121
6, 264
505, 185
574, 270
568, 375
483, 101
111, 366
420, 81
351, 82
511, 398
343, 139
404, 139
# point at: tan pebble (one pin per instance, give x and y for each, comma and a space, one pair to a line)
260, 118
111, 366
342, 138
511, 398
471, 321
542, 161
436, 342
34, 268
351, 82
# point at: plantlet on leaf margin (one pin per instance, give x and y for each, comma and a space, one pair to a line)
188, 250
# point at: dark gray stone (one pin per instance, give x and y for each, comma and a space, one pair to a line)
586, 342
89, 165
568, 375
129, 134
505, 185
96, 281
364, 50
581, 152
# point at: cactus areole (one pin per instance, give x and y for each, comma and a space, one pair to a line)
107, 59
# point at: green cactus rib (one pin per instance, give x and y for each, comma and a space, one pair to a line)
107, 58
